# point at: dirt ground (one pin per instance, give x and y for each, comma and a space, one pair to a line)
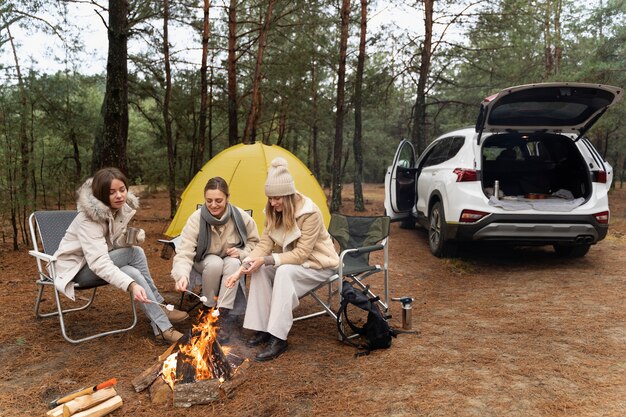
515, 332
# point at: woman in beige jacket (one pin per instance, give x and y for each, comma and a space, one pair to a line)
214, 240
95, 245
295, 255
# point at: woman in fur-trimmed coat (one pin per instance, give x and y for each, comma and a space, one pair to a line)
95, 245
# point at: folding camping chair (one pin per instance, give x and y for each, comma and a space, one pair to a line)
47, 229
358, 237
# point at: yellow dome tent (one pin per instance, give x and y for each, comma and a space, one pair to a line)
244, 167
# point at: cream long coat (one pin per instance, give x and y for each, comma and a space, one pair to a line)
89, 239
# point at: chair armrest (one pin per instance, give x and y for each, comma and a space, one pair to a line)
364, 249
43, 256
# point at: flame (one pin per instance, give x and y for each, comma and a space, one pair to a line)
197, 351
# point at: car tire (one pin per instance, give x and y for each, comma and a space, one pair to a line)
438, 241
571, 251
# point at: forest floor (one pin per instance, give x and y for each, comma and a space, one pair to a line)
502, 332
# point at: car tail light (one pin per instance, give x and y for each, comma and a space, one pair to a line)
465, 175
471, 216
599, 176
602, 217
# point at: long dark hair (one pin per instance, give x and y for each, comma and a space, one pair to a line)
101, 183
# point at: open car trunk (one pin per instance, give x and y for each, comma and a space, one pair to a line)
534, 166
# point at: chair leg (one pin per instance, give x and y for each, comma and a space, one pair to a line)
38, 312
60, 313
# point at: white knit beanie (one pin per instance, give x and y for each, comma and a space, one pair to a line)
279, 181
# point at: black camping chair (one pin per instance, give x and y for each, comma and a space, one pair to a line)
47, 229
358, 237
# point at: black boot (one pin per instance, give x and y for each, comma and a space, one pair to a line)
258, 338
226, 324
273, 350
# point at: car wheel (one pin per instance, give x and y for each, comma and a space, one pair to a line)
571, 251
440, 246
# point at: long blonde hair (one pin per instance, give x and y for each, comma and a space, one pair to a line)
286, 218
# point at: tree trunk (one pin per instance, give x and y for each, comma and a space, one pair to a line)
232, 74
314, 155
336, 185
547, 40
199, 154
210, 133
110, 142
359, 204
167, 121
22, 204
558, 48
249, 132
419, 111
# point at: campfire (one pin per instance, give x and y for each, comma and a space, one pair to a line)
197, 369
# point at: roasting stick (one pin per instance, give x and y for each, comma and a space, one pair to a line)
201, 298
168, 307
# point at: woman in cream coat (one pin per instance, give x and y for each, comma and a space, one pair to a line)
295, 254
95, 245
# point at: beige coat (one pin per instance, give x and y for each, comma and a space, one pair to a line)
222, 238
89, 239
307, 244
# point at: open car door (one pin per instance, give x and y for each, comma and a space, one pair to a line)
400, 191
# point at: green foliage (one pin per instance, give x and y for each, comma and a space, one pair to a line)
497, 44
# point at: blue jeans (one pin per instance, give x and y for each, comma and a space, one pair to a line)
132, 261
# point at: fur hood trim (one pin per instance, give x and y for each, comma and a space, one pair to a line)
95, 209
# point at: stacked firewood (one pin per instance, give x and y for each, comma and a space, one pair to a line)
95, 401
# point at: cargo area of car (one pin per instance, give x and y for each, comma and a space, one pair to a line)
538, 166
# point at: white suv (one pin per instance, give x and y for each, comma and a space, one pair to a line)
524, 175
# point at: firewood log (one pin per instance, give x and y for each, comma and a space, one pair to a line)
56, 411
147, 377
102, 409
168, 352
86, 401
200, 392
160, 392
221, 366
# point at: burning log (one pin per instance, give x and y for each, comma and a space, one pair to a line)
147, 377
200, 392
185, 371
195, 370
228, 387
221, 367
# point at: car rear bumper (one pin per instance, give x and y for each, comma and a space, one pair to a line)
531, 229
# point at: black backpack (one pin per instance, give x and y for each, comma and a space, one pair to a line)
376, 331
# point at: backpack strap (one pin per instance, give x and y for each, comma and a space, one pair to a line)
343, 311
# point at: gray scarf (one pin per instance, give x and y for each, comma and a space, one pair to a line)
207, 220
